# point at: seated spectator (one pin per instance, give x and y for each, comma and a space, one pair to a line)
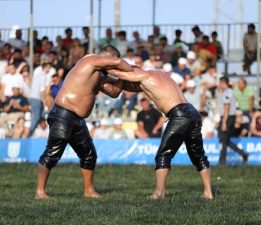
250, 47
20, 129
42, 130
153, 62
149, 45
130, 56
14, 107
118, 132
9, 79
209, 80
129, 98
193, 64
255, 126
17, 42
142, 52
245, 97
207, 52
85, 41
7, 51
3, 64
178, 53
165, 45
122, 43
208, 126
240, 128
218, 45
59, 45
194, 95
136, 42
182, 69
103, 130
161, 54
107, 40
198, 34
149, 120
68, 41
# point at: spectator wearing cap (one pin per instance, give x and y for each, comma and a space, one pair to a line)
14, 107
103, 131
250, 47
118, 132
193, 64
207, 52
178, 53
194, 95
149, 121
218, 44
167, 68
182, 69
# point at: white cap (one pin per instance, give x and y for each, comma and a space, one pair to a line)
117, 121
177, 78
167, 67
191, 84
191, 55
105, 122
182, 61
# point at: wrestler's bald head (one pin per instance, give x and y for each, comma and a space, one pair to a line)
110, 50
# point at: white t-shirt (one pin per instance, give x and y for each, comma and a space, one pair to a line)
9, 81
41, 133
52, 71
17, 43
207, 127
38, 85
177, 78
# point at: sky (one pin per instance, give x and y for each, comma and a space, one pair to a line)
133, 12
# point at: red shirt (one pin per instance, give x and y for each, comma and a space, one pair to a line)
210, 47
67, 42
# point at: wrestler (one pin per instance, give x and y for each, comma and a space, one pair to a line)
73, 103
184, 124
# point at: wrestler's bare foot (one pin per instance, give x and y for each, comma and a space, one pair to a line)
92, 194
157, 195
208, 196
40, 195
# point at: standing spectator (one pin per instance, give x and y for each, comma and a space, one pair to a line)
250, 47
42, 130
207, 52
218, 45
149, 120
14, 107
227, 121
255, 127
108, 40
2, 43
86, 39
245, 97
67, 41
178, 39
122, 43
37, 42
118, 132
17, 42
156, 34
36, 96
198, 34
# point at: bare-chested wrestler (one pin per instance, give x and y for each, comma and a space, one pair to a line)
73, 103
184, 125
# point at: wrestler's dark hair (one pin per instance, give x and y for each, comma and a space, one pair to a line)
111, 50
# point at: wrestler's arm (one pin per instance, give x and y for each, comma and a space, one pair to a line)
111, 87
131, 86
109, 62
138, 75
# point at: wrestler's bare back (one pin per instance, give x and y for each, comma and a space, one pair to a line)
158, 86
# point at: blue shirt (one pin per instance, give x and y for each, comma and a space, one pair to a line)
183, 73
56, 88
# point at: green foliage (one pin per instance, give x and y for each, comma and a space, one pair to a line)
125, 190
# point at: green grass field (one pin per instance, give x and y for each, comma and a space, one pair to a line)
125, 190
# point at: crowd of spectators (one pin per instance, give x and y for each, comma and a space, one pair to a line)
25, 100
